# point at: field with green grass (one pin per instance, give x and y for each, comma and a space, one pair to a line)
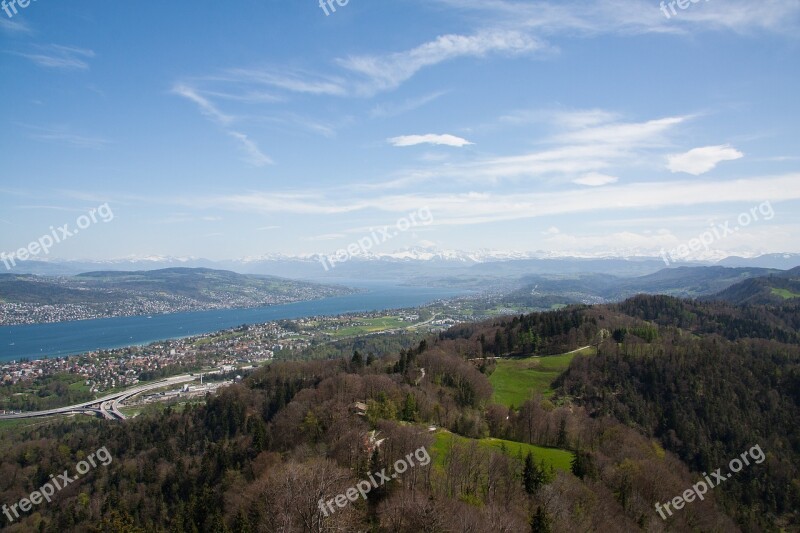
217, 338
558, 459
515, 380
786, 294
18, 424
371, 325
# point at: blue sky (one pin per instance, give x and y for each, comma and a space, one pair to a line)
239, 129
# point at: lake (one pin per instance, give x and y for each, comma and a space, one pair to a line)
68, 338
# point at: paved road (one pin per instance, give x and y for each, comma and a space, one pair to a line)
107, 406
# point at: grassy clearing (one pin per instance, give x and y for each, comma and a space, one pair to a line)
558, 459
21, 423
515, 380
499, 310
786, 294
217, 338
371, 325
80, 386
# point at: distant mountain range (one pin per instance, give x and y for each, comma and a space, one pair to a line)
544, 291
418, 266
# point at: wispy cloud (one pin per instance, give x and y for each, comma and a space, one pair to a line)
252, 152
246, 96
701, 160
634, 16
296, 81
621, 133
480, 207
368, 74
206, 107
595, 179
386, 110
49, 207
63, 134
10, 26
431, 138
386, 72
59, 57
584, 143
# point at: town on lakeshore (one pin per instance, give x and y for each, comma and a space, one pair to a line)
232, 351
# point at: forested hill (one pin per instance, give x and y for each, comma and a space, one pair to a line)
27, 299
670, 389
707, 379
775, 289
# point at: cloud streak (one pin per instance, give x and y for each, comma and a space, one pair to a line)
60, 57
387, 72
482, 207
252, 153
430, 138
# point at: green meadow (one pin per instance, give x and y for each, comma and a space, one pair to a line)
515, 380
371, 325
786, 294
558, 459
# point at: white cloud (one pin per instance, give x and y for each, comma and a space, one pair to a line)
64, 135
206, 107
389, 71
286, 79
622, 133
60, 57
595, 179
431, 138
636, 16
481, 207
701, 160
586, 143
253, 154
13, 27
393, 110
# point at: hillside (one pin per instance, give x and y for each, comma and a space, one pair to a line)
546, 291
774, 289
669, 390
32, 299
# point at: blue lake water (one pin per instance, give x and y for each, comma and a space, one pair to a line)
68, 338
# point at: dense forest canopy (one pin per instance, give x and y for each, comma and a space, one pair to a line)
676, 388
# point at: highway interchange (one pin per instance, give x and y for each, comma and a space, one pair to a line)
107, 406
